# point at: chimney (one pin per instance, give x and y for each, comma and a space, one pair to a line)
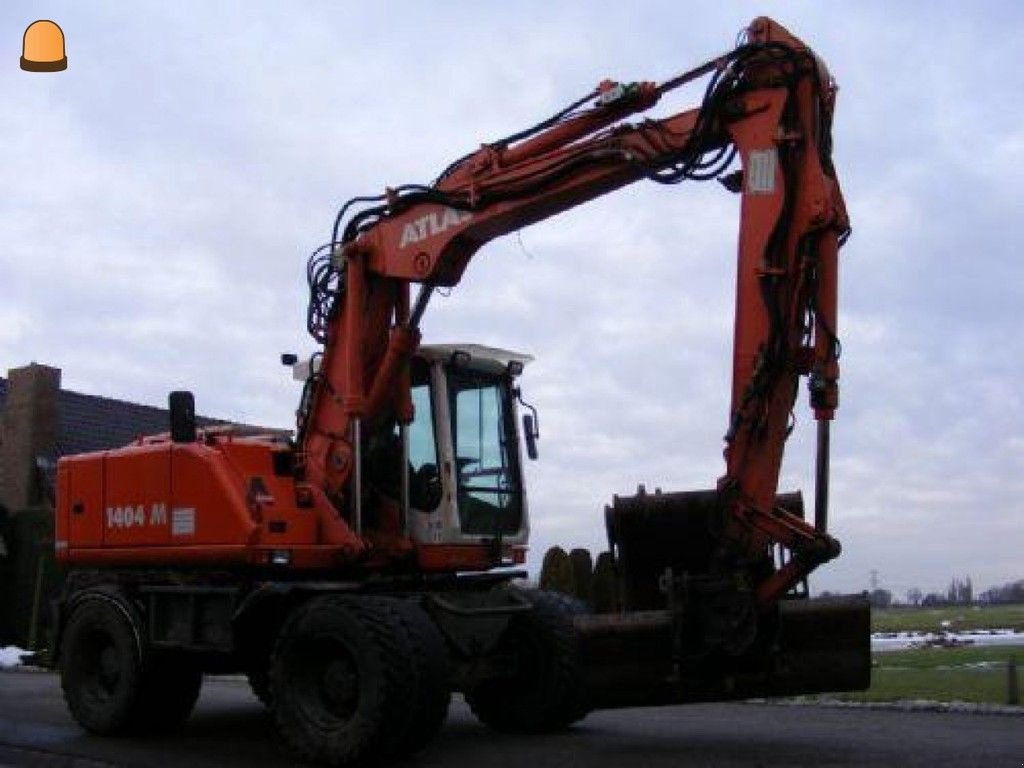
28, 429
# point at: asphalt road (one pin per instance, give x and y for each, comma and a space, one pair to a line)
230, 728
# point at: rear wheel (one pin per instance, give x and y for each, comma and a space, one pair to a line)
101, 666
109, 685
545, 692
340, 678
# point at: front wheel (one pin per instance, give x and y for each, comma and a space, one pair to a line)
545, 691
340, 679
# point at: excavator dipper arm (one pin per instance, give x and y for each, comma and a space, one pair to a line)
769, 103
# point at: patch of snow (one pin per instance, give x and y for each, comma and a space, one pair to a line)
898, 641
11, 655
975, 665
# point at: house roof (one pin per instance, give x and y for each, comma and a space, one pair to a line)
87, 423
92, 423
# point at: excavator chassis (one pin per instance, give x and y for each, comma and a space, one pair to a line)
689, 629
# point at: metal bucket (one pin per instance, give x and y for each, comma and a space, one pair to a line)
690, 629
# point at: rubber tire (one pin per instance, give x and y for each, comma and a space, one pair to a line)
429, 654
337, 635
546, 693
578, 705
100, 625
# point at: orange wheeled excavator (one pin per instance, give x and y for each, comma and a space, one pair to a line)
362, 572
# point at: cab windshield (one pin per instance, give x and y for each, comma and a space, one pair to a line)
487, 460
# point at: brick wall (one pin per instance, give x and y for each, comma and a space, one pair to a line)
28, 429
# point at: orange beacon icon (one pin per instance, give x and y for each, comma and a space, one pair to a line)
42, 48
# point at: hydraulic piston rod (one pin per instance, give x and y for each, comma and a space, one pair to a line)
821, 478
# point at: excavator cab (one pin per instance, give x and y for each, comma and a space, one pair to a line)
463, 450
461, 496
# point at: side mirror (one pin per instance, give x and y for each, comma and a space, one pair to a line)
531, 425
183, 417
530, 433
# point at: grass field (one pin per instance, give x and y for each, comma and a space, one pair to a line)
971, 674
976, 675
959, 618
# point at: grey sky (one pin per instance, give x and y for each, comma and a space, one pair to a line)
163, 192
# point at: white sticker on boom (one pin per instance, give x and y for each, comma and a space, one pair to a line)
183, 521
761, 165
